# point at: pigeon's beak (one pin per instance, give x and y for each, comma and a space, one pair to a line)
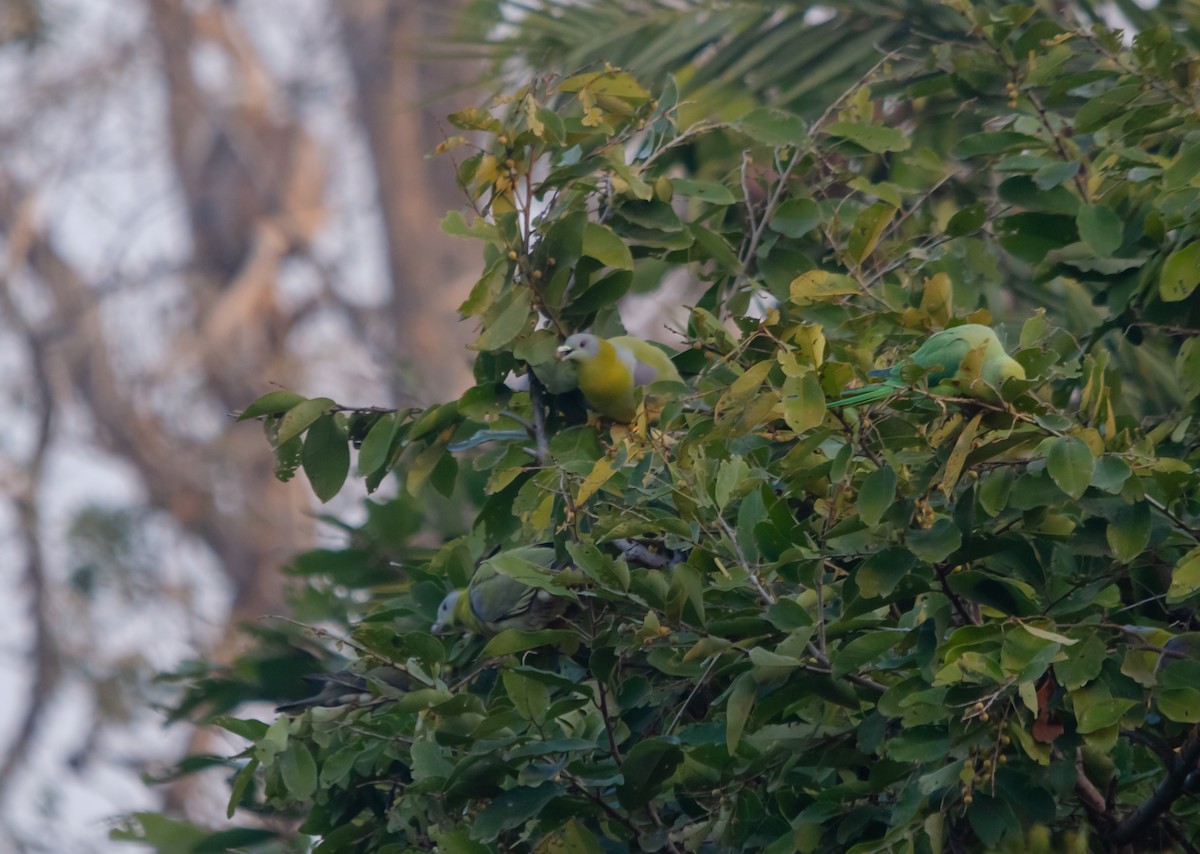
564, 351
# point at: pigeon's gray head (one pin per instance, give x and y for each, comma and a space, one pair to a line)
580, 346
445, 612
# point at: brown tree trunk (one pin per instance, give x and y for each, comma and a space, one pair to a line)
429, 270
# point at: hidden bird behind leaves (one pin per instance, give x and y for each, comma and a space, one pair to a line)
967, 359
493, 602
346, 687
609, 369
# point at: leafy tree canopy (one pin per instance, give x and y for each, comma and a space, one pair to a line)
936, 623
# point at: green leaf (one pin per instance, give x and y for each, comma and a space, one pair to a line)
377, 445
1187, 368
516, 640
877, 494
935, 544
1100, 228
967, 220
874, 138
737, 710
1098, 712
1003, 594
869, 226
646, 767
456, 225
1185, 579
795, 218
1182, 172
602, 244
992, 820
613, 82
770, 666
1082, 663
819, 285
803, 402
572, 838
336, 769
1129, 533
299, 770
1180, 273
863, 650
879, 574
168, 836
1110, 473
704, 191
773, 127
507, 319
512, 808
716, 246
326, 457
274, 742
240, 783
475, 118
994, 142
250, 730
1055, 173
1105, 107
993, 490
271, 403
1180, 704
300, 416
454, 842
530, 697
919, 744
958, 456
1070, 464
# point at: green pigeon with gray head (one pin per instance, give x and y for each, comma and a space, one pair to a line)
963, 360
493, 601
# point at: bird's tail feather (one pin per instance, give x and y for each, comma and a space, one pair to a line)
871, 394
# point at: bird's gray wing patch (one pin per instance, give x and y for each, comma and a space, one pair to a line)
643, 374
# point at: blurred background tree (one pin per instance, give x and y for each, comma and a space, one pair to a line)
219, 197
198, 201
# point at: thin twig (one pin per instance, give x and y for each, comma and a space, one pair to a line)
608, 727
751, 572
539, 419
695, 688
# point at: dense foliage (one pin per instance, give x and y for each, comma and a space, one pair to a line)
934, 624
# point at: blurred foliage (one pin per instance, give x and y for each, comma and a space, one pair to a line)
935, 624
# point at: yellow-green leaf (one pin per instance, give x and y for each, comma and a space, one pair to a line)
819, 285
600, 474
1180, 273
803, 402
1185, 579
877, 494
1129, 532
958, 455
737, 710
602, 244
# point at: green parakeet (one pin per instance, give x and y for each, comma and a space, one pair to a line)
493, 602
967, 359
346, 687
609, 369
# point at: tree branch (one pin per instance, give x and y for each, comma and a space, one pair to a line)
47, 666
1186, 762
